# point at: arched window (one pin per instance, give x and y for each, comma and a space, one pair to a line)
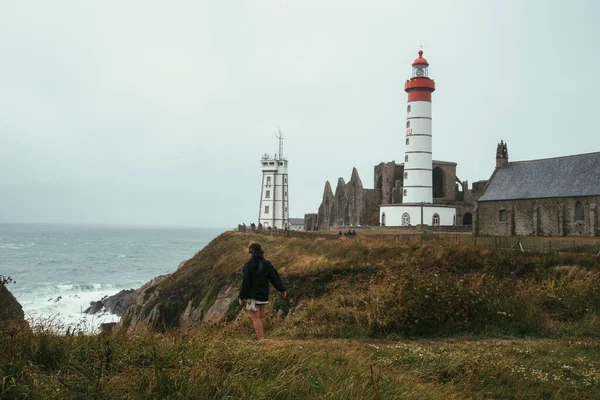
405, 192
406, 158
408, 108
405, 219
436, 220
467, 219
407, 141
408, 124
383, 219
438, 183
579, 215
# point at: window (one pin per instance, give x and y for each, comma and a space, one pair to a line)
266, 209
406, 158
437, 177
285, 193
285, 180
268, 194
405, 192
436, 220
408, 108
503, 216
268, 181
406, 175
405, 219
408, 124
280, 164
383, 217
407, 141
579, 212
272, 163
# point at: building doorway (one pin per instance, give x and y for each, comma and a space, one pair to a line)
468, 219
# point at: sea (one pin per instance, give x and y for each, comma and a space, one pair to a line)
59, 269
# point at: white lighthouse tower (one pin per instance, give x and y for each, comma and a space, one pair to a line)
273, 211
417, 205
417, 153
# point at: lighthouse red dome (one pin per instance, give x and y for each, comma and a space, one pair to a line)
420, 60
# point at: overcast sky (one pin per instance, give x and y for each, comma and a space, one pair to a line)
157, 112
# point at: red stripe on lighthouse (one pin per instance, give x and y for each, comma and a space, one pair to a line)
419, 96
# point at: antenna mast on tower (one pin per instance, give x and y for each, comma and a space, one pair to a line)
280, 137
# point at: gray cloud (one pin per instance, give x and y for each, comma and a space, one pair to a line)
148, 112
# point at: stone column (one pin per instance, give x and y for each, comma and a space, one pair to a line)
513, 230
593, 220
536, 211
561, 220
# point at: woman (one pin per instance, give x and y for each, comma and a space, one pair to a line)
257, 273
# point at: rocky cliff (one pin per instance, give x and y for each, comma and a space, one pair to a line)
11, 312
349, 286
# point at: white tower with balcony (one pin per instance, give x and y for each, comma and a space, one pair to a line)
417, 206
273, 211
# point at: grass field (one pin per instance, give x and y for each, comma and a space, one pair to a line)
216, 363
366, 317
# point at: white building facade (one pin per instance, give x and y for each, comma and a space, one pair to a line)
417, 195
273, 211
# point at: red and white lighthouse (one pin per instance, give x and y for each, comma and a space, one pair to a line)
417, 206
417, 154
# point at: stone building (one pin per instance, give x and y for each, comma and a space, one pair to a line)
353, 205
547, 197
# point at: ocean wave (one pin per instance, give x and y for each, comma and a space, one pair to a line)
82, 287
16, 246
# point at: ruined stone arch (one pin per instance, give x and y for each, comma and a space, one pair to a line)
438, 183
467, 219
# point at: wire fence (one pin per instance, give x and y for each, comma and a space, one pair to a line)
587, 245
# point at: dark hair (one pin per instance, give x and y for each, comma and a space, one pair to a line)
256, 251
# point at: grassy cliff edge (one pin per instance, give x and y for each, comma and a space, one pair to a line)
366, 318
381, 287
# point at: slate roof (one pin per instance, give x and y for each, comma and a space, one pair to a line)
296, 221
570, 176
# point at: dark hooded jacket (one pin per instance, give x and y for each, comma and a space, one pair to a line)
257, 274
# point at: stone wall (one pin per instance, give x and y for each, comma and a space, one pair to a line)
324, 215
311, 222
539, 217
355, 199
449, 173
339, 211
385, 179
370, 207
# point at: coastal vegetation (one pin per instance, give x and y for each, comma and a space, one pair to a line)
365, 317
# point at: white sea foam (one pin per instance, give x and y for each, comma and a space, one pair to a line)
59, 270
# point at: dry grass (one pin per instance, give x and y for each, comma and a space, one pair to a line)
367, 317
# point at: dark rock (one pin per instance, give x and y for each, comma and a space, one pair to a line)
107, 327
95, 306
116, 304
11, 312
120, 302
